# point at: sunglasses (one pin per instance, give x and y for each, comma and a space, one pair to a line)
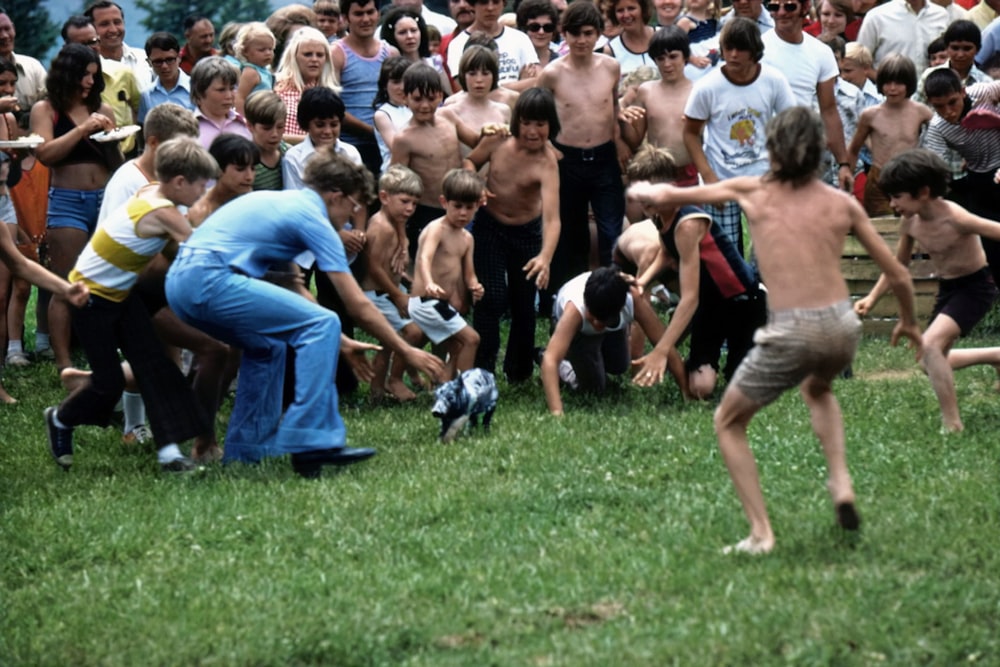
787, 6
160, 62
545, 27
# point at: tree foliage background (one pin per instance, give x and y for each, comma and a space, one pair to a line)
36, 31
169, 15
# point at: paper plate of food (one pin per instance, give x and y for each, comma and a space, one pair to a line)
116, 134
29, 141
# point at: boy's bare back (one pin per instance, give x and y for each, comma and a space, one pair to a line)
445, 267
799, 253
431, 150
894, 130
664, 104
585, 97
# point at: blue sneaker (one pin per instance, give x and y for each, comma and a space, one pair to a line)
60, 440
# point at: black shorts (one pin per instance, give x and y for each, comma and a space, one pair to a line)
966, 299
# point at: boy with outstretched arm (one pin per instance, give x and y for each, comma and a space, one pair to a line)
399, 190
444, 276
115, 317
721, 302
812, 331
916, 181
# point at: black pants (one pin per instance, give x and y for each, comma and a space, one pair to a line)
103, 327
501, 251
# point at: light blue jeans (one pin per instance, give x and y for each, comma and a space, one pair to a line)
264, 320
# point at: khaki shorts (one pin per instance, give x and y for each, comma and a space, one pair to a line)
795, 344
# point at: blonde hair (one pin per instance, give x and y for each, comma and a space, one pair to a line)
264, 107
652, 164
400, 179
248, 33
859, 53
289, 76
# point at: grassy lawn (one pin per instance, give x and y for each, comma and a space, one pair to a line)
591, 540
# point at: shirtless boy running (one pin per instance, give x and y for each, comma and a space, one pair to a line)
812, 331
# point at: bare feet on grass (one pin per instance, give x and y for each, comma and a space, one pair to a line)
750, 545
5, 397
398, 390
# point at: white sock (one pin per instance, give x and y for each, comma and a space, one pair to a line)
135, 410
14, 347
42, 341
169, 453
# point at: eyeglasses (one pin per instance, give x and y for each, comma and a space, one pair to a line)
545, 27
92, 42
160, 62
787, 6
354, 203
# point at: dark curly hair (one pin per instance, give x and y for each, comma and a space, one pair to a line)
393, 16
67, 70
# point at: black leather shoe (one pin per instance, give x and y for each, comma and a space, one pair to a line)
310, 464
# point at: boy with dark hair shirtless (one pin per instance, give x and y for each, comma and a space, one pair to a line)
812, 331
661, 103
399, 191
516, 231
444, 276
891, 127
916, 181
585, 86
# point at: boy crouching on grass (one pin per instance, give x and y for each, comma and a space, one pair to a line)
115, 318
916, 182
812, 331
384, 257
444, 276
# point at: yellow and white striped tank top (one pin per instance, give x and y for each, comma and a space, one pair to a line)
116, 254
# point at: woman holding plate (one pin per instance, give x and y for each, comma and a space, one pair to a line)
79, 166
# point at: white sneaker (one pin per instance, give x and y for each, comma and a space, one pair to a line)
140, 435
17, 360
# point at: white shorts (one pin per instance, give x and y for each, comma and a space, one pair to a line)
388, 309
436, 318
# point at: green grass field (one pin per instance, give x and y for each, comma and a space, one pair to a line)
590, 540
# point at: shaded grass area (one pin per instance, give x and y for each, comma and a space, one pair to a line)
590, 540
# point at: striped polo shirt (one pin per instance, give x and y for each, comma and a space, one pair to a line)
116, 254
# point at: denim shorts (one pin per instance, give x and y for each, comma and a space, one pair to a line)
76, 209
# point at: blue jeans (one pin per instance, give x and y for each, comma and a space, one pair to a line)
264, 320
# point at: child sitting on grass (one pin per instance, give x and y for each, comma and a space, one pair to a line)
444, 277
916, 182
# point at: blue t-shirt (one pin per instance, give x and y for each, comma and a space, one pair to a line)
260, 230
